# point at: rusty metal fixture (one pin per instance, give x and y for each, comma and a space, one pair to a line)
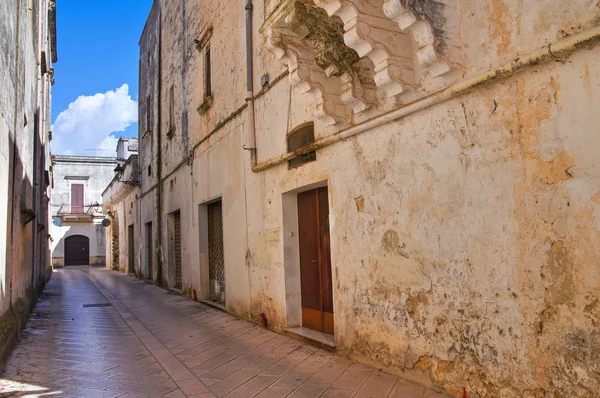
27, 215
250, 86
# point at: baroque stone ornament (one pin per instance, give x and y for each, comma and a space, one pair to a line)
371, 34
422, 32
400, 43
311, 45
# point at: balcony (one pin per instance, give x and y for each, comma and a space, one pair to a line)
69, 212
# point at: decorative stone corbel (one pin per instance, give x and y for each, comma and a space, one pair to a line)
285, 36
371, 34
423, 36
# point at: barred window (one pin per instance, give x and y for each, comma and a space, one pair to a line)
299, 138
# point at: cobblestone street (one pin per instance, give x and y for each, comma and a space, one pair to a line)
98, 333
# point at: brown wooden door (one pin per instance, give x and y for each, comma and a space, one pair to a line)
315, 260
76, 198
77, 250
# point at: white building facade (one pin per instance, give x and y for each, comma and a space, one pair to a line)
77, 234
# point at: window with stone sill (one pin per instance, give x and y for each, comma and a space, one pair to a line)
171, 127
203, 47
299, 138
148, 113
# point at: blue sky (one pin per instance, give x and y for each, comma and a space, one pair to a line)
95, 91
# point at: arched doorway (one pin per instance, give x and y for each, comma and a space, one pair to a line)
77, 250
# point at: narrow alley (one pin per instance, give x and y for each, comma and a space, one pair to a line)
100, 333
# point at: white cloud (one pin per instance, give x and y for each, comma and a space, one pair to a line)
108, 146
90, 120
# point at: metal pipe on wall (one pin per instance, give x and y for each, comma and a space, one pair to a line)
556, 50
159, 190
250, 84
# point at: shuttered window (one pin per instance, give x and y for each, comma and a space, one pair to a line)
76, 198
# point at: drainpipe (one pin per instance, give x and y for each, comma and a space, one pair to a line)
159, 257
250, 84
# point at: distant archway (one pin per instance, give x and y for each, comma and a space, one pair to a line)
77, 250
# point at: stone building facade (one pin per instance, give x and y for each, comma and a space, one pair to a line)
78, 237
28, 45
119, 202
413, 182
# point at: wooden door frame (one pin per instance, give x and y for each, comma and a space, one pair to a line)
203, 265
291, 252
131, 249
71, 237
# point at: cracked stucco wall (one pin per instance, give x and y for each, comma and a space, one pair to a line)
23, 116
465, 238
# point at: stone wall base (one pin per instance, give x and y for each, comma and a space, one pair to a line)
13, 321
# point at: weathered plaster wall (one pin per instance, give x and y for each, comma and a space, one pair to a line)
8, 13
24, 115
95, 173
93, 230
120, 206
464, 237
123, 215
192, 175
150, 140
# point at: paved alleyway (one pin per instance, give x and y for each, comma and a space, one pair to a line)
98, 333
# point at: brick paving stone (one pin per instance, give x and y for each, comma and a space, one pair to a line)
331, 393
150, 343
309, 390
79, 392
404, 389
192, 386
96, 384
274, 393
238, 378
352, 378
252, 387
434, 394
378, 385
209, 382
220, 392
291, 380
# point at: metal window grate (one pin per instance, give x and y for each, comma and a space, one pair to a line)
177, 236
300, 138
150, 250
216, 256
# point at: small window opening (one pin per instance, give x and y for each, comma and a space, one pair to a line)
299, 138
148, 114
207, 74
171, 109
149, 170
